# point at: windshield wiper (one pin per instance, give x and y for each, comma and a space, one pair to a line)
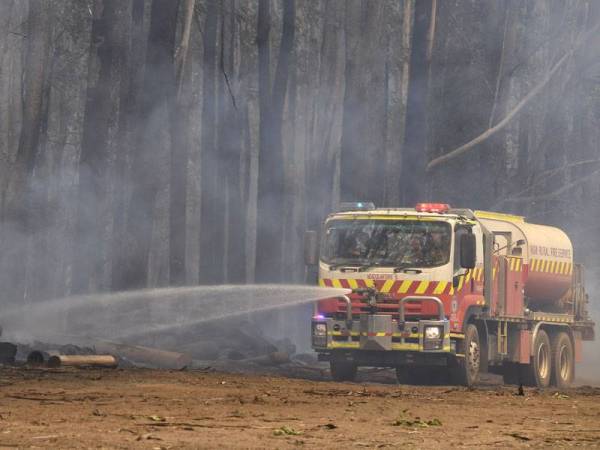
406, 268
369, 265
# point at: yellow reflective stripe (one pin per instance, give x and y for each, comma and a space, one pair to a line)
366, 217
378, 334
404, 287
344, 345
413, 347
336, 283
441, 286
422, 287
370, 283
468, 276
460, 283
353, 284
322, 282
387, 286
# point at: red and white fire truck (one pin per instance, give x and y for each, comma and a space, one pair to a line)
437, 290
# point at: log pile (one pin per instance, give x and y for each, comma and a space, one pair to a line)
226, 345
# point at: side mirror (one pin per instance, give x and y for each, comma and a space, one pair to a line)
311, 248
467, 251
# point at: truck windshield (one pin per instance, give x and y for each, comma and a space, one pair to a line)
402, 243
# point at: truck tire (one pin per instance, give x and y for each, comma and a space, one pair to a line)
342, 370
538, 372
563, 360
466, 371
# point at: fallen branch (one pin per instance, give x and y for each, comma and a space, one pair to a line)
559, 191
500, 125
544, 176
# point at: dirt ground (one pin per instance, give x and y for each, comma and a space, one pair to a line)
152, 409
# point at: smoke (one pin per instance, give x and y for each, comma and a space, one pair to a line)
558, 128
588, 372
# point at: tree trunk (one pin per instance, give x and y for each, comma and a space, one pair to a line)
364, 105
271, 182
90, 250
211, 215
132, 71
180, 143
231, 143
158, 87
15, 205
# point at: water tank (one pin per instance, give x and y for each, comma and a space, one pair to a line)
547, 255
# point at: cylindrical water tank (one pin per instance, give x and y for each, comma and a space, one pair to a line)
547, 255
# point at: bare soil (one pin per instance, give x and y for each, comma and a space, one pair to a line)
153, 409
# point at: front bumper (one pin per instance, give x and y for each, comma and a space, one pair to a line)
381, 333
412, 338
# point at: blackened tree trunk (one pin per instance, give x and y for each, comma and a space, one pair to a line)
157, 89
211, 209
132, 71
321, 154
15, 204
271, 182
108, 44
230, 139
180, 142
362, 139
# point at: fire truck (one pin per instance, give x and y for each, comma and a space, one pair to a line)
438, 291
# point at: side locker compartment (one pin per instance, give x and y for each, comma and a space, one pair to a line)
514, 287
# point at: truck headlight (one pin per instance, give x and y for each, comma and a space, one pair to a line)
432, 333
320, 329
319, 334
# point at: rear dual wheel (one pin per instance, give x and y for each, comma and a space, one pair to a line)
563, 360
553, 361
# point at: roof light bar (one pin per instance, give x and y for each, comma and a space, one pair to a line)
356, 206
432, 207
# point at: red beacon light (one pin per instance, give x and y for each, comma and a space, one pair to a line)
432, 207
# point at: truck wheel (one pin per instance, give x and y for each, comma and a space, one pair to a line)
539, 370
563, 360
342, 370
466, 371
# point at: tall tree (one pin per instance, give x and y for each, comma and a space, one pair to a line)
157, 90
271, 182
108, 45
180, 142
212, 211
230, 142
15, 201
362, 139
132, 71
